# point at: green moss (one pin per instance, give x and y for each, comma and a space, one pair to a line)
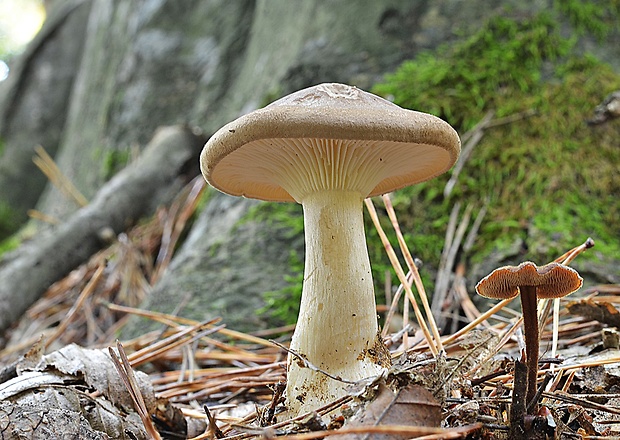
549, 178
286, 215
460, 83
10, 243
598, 18
113, 161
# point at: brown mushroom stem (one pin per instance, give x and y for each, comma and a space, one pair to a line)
337, 326
529, 306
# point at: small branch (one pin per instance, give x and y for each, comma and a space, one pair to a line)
311, 366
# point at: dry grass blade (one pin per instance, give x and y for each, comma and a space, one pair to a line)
311, 366
154, 351
471, 139
174, 321
45, 218
183, 207
47, 165
414, 271
448, 257
88, 291
401, 275
394, 305
565, 259
483, 317
125, 371
253, 431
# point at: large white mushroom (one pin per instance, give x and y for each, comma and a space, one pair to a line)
328, 147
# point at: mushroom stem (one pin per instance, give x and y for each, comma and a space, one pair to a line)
529, 306
337, 326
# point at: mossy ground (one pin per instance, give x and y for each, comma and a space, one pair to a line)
548, 180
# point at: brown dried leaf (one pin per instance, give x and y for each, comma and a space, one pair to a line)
412, 405
55, 385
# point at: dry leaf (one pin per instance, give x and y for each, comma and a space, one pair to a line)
412, 405
88, 398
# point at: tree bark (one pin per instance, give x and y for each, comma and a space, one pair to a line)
27, 272
34, 101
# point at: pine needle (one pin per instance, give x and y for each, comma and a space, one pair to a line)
401, 276
46, 164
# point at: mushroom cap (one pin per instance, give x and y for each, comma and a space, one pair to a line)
340, 128
553, 280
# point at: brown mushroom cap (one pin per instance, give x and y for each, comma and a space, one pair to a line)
552, 280
325, 134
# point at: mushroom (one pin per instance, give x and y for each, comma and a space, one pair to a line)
328, 147
552, 280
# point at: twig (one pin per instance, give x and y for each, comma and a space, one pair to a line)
213, 429
565, 397
443, 276
153, 351
428, 433
394, 305
321, 411
473, 232
565, 259
175, 321
438, 296
181, 211
129, 379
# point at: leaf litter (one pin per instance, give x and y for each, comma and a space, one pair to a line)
205, 381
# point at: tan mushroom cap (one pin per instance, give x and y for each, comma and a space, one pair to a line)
328, 136
552, 280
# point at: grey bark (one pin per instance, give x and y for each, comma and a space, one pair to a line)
33, 107
28, 271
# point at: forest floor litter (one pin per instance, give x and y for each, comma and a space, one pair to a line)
202, 380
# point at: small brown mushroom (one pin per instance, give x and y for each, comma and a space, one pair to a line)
552, 280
